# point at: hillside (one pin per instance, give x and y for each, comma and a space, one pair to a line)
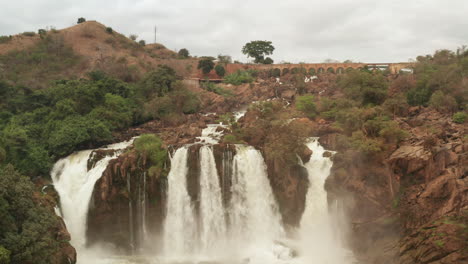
77, 50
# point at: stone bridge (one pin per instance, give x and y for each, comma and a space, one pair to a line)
311, 68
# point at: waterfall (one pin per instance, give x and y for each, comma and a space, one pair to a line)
245, 230
253, 211
75, 183
179, 226
255, 222
318, 240
213, 223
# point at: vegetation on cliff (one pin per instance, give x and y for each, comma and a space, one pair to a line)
28, 230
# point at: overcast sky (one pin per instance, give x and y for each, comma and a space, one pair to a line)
301, 30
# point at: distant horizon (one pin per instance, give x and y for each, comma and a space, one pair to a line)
301, 31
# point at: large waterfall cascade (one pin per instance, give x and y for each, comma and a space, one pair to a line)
243, 228
246, 228
75, 184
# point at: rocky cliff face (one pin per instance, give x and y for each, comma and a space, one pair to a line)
124, 199
410, 206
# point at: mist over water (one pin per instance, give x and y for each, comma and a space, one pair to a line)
247, 228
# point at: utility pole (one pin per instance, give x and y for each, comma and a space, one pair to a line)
155, 30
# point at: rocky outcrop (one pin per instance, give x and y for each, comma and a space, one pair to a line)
125, 198
410, 206
289, 184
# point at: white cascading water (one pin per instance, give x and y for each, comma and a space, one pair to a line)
246, 231
255, 222
75, 184
180, 226
213, 223
319, 238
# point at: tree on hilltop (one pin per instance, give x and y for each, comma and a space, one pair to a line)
81, 20
258, 49
206, 64
184, 53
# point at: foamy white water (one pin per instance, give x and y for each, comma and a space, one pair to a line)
209, 134
319, 238
75, 185
180, 226
255, 222
213, 222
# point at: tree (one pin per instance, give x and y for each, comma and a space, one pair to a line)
184, 53
268, 60
258, 49
224, 59
158, 82
81, 20
109, 30
306, 105
206, 64
133, 37
142, 42
220, 71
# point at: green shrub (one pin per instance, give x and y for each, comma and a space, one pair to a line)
133, 37
4, 39
239, 77
268, 60
184, 53
142, 42
29, 33
364, 87
109, 30
392, 133
220, 71
159, 82
151, 147
26, 225
306, 105
443, 103
209, 86
206, 64
81, 20
231, 139
285, 71
42, 33
364, 145
418, 96
4, 255
396, 105
460, 117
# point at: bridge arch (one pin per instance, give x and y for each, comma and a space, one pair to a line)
349, 69
276, 72
320, 70
285, 71
331, 70
339, 70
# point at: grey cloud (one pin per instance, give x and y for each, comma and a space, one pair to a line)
301, 30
